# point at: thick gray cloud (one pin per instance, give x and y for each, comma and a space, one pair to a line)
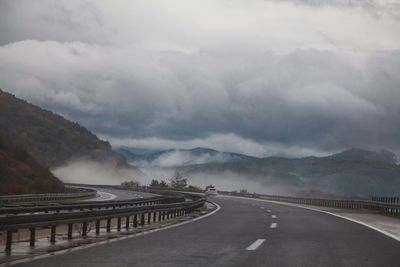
304, 86
64, 21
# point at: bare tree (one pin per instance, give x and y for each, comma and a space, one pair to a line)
177, 181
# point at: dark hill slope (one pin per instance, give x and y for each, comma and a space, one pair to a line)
20, 173
50, 138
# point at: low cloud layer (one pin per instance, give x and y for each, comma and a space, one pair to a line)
261, 78
179, 157
91, 172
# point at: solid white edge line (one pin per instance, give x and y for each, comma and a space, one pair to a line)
29, 259
255, 244
330, 213
273, 225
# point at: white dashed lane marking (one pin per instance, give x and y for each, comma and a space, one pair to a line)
255, 244
273, 225
273, 216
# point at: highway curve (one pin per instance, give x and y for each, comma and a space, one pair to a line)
245, 233
105, 194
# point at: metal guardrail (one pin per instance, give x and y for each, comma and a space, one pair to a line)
154, 209
386, 199
7, 199
70, 206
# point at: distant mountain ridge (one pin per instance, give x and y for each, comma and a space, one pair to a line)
365, 155
349, 173
181, 157
50, 138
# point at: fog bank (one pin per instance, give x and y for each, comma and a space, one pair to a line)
91, 172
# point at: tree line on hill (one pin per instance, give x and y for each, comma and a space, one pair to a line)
176, 182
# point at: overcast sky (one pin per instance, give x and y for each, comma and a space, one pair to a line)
270, 77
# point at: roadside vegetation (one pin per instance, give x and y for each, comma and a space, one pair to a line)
176, 182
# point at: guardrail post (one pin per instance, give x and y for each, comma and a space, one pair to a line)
154, 216
148, 217
70, 231
53, 234
159, 216
168, 214
119, 224
127, 222
8, 241
84, 229
108, 225
142, 219
32, 238
135, 223
163, 215
97, 227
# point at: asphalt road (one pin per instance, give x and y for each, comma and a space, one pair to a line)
245, 233
105, 194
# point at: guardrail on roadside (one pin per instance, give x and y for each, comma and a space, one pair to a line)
7, 199
149, 210
383, 199
71, 206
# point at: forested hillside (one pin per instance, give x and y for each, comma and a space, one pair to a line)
50, 138
20, 173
